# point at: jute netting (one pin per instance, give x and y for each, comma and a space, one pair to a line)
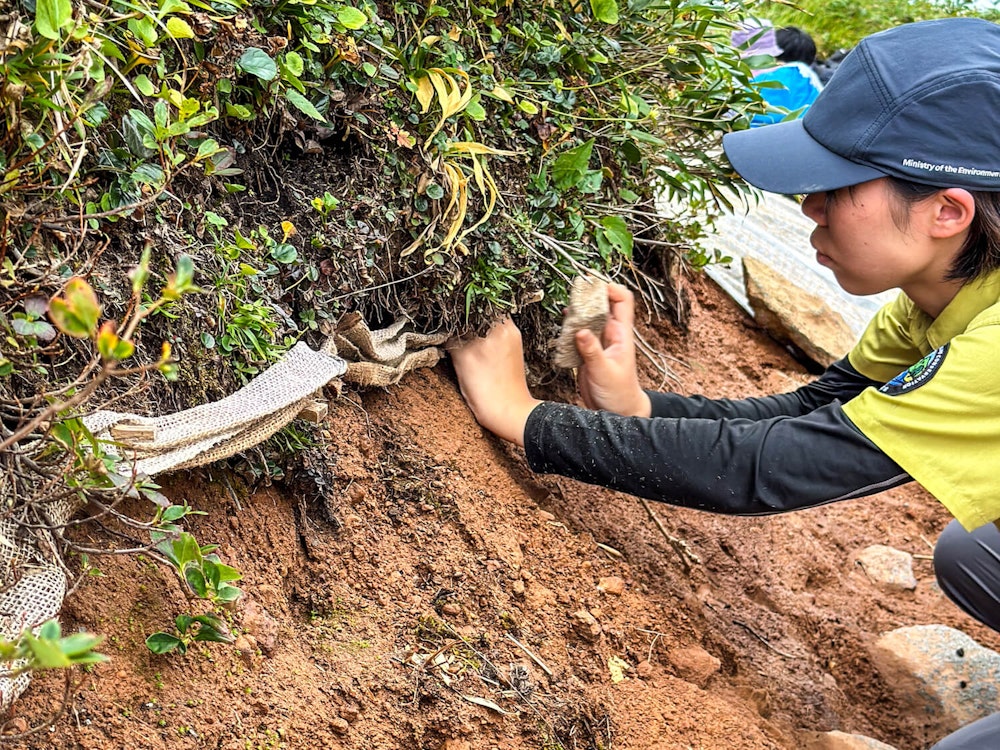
34, 576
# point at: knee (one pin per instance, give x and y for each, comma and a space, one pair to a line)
952, 546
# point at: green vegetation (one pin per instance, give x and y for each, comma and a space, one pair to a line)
264, 167
836, 24
49, 649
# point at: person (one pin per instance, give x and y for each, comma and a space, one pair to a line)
791, 86
824, 69
899, 163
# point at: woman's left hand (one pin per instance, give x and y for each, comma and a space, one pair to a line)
491, 377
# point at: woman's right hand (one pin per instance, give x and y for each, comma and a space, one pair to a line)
608, 379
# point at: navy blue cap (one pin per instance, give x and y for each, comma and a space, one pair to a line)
919, 101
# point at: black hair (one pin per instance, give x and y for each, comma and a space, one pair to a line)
796, 45
980, 253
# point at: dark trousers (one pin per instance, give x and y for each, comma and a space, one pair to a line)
968, 570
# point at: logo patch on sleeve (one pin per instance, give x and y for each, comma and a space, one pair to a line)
916, 374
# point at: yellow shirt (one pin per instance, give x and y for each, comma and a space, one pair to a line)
938, 414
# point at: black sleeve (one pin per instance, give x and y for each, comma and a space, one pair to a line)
733, 466
840, 382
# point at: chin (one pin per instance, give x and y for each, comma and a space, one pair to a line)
859, 287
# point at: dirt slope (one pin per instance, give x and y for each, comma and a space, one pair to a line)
396, 607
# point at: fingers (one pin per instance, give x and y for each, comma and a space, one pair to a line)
622, 303
588, 346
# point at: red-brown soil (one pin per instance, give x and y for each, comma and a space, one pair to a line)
371, 616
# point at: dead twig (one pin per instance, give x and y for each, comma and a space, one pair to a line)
679, 546
57, 714
764, 640
534, 658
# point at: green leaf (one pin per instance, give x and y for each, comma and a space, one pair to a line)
51, 16
239, 111
225, 572
45, 653
643, 137
196, 580
140, 273
110, 346
173, 6
207, 147
145, 29
77, 311
144, 85
618, 234
294, 64
164, 643
228, 593
207, 633
284, 253
258, 63
180, 281
303, 105
178, 28
352, 18
215, 220
571, 166
475, 110
605, 11
37, 328
212, 629
435, 191
185, 550
50, 630
591, 182
174, 513
78, 644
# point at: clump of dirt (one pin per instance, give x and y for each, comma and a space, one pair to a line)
417, 587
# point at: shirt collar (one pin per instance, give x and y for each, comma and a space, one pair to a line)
974, 297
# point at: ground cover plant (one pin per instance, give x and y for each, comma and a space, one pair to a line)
189, 187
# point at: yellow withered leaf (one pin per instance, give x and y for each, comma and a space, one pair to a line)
474, 147
452, 97
425, 93
499, 92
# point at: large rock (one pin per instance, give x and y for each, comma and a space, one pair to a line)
944, 675
796, 316
841, 741
892, 569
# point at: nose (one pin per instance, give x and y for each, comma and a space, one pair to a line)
814, 206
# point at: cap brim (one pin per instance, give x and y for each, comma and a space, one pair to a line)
784, 158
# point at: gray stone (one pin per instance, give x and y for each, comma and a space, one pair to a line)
947, 678
841, 741
794, 315
889, 568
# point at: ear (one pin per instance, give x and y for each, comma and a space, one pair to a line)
952, 211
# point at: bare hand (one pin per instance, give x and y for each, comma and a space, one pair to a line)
608, 379
491, 377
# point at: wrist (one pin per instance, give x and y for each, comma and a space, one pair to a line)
644, 406
513, 427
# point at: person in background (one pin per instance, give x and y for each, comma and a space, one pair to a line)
824, 69
899, 163
792, 85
